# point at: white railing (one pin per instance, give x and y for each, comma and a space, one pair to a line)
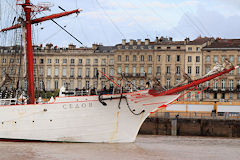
12, 101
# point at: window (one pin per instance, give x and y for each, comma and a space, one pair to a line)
189, 96
189, 58
198, 49
215, 86
56, 84
189, 48
159, 58
215, 59
230, 84
57, 61
119, 69
111, 61
207, 95
230, 95
79, 84
119, 58
126, 58
141, 82
95, 72
48, 85
168, 69
142, 58
103, 61
150, 70
134, 70
178, 47
158, 70
126, 70
41, 71
223, 58
231, 58
238, 96
49, 61
104, 71
238, 58
142, 72
178, 58
41, 61
134, 58
231, 72
197, 70
71, 72
95, 61
87, 72
197, 58
207, 69
88, 62
111, 72
11, 60
168, 47
64, 72
223, 84
189, 70
72, 61
168, 58
64, 61
49, 71
215, 96
4, 60
79, 61
34, 61
79, 72
56, 72
207, 58
87, 84
3, 71
168, 83
178, 70
149, 58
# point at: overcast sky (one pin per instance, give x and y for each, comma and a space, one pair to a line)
110, 21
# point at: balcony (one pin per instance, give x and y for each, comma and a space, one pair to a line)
135, 75
222, 90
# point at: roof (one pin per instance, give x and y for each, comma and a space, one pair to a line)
199, 41
225, 43
104, 49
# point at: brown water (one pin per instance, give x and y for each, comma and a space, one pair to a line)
145, 148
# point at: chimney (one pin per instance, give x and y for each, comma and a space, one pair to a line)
94, 46
132, 42
147, 41
170, 39
156, 40
49, 46
186, 41
139, 42
71, 46
123, 42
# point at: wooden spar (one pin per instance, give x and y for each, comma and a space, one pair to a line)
29, 50
191, 84
42, 19
29, 53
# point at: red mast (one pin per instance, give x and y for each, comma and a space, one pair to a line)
27, 6
29, 53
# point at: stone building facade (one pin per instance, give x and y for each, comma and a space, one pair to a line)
139, 61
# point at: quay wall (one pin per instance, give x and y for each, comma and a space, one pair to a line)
191, 127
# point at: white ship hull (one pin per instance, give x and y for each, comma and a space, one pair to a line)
80, 119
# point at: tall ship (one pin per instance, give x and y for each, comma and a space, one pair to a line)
102, 117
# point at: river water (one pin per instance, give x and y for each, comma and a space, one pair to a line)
145, 148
